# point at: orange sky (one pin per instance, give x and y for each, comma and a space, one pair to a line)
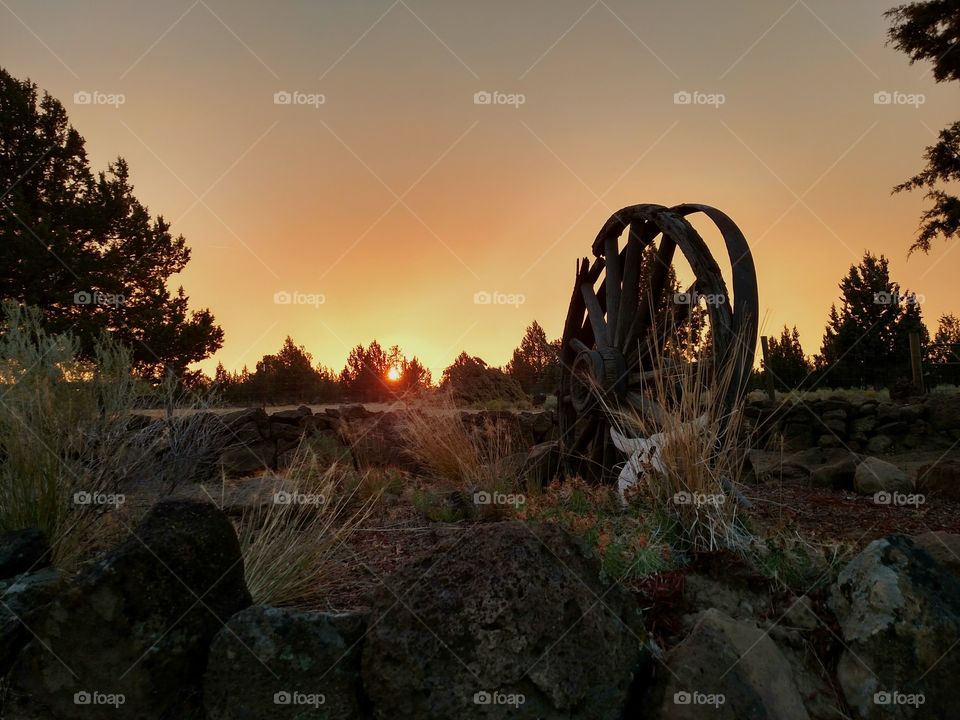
398, 198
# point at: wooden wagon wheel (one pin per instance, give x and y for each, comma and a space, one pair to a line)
612, 328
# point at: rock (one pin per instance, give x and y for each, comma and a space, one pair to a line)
506, 612
541, 463
24, 599
248, 459
893, 429
838, 475
256, 416
267, 656
797, 435
899, 613
886, 412
137, 623
829, 442
944, 412
874, 475
285, 431
291, 417
23, 551
912, 413
728, 670
943, 547
879, 444
940, 478
864, 424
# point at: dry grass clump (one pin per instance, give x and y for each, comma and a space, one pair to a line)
292, 539
480, 460
693, 478
64, 429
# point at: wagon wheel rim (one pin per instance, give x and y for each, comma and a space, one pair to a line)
612, 331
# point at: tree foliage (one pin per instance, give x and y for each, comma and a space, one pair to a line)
83, 248
787, 363
535, 363
929, 30
866, 342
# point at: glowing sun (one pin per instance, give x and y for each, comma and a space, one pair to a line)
393, 374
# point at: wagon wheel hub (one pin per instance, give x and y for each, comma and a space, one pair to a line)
601, 371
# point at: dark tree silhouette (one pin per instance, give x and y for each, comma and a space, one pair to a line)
930, 30
364, 377
788, 365
867, 339
82, 248
535, 364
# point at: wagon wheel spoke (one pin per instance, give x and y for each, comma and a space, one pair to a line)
612, 286
595, 314
631, 285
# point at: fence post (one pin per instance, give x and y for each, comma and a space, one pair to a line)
767, 375
916, 365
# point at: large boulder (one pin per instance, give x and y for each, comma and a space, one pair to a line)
134, 627
941, 478
510, 619
23, 551
279, 663
874, 475
728, 669
899, 614
23, 599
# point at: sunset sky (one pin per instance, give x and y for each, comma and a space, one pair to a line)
398, 198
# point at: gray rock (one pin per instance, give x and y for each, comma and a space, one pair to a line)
22, 600
879, 444
728, 670
266, 656
136, 623
249, 459
899, 613
505, 610
838, 475
876, 475
864, 424
23, 551
944, 412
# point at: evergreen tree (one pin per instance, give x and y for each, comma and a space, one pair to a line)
788, 365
